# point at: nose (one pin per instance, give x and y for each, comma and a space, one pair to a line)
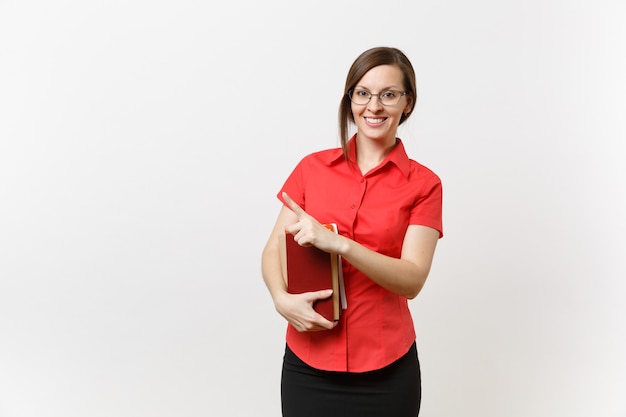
374, 104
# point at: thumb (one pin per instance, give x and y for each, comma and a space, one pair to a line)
320, 295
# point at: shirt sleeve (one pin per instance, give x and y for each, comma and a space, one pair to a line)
427, 210
294, 185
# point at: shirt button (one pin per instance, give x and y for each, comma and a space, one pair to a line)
362, 179
352, 206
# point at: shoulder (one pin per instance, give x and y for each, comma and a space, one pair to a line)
325, 157
422, 172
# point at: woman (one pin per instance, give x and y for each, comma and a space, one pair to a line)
387, 208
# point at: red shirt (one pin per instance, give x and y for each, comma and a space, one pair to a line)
374, 210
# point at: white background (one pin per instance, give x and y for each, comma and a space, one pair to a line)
142, 145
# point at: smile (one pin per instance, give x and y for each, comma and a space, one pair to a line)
375, 121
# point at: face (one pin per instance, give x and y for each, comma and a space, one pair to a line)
373, 120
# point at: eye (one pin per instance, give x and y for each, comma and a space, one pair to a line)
388, 94
361, 93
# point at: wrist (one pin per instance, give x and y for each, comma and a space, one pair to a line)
343, 246
278, 295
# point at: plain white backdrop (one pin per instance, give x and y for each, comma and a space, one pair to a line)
142, 144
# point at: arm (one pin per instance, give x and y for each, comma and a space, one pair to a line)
297, 309
404, 276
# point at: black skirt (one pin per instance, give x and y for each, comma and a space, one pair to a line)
393, 391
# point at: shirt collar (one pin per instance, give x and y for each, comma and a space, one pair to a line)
397, 156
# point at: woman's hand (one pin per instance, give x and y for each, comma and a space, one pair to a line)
309, 232
298, 310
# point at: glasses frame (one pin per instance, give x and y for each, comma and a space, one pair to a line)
402, 94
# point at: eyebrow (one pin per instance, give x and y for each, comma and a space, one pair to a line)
384, 89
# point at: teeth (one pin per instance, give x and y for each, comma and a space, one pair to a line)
371, 120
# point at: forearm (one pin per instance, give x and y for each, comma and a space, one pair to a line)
271, 270
399, 276
271, 265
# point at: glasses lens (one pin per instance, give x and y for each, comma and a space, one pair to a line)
360, 97
389, 98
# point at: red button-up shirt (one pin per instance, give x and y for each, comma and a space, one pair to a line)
375, 210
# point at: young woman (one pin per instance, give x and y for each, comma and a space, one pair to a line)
387, 208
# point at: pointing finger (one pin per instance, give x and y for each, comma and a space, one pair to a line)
293, 205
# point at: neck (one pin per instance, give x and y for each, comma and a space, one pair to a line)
369, 153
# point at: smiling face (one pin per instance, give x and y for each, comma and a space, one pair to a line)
373, 120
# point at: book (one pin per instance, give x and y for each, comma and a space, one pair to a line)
308, 268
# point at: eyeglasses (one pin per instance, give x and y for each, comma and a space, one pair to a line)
386, 98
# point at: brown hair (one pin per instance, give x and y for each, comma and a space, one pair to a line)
365, 62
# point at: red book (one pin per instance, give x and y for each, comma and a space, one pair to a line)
308, 268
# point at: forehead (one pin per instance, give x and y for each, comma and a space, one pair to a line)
383, 76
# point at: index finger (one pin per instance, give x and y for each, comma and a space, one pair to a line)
293, 205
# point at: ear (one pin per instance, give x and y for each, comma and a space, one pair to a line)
409, 106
